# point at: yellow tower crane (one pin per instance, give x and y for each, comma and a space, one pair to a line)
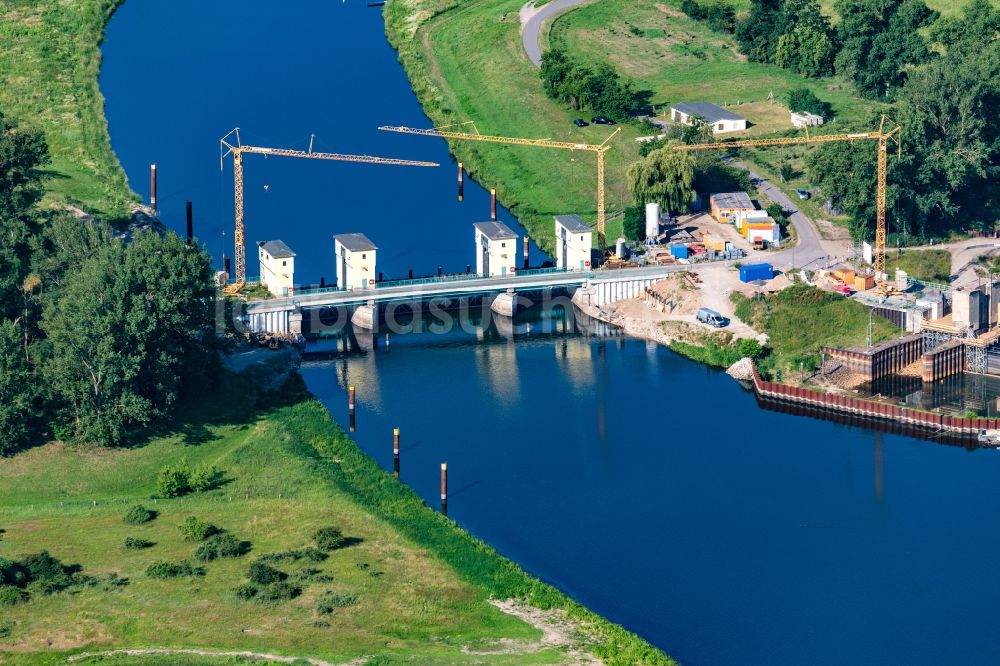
228, 146
887, 132
600, 150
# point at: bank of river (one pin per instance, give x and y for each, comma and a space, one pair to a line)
649, 488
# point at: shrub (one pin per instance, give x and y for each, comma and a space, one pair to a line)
330, 601
6, 628
205, 477
195, 529
164, 569
47, 574
10, 595
749, 347
138, 514
174, 480
135, 543
329, 538
280, 591
312, 575
246, 591
12, 573
309, 553
219, 546
264, 575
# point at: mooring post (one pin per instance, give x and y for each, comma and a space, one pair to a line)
493, 204
350, 404
190, 222
395, 452
444, 488
461, 183
152, 187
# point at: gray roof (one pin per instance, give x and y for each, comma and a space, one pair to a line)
733, 200
495, 230
355, 242
277, 249
710, 112
573, 224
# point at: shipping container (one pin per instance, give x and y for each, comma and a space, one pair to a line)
845, 275
863, 282
679, 251
752, 272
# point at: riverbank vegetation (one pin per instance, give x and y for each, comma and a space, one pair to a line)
49, 66
344, 559
800, 320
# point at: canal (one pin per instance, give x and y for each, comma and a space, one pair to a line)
650, 488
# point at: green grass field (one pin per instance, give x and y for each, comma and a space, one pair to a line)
422, 584
927, 265
48, 80
800, 320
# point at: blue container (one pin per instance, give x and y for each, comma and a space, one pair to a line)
679, 251
753, 272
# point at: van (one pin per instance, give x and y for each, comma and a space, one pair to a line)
712, 318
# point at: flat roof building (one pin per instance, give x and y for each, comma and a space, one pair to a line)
719, 119
725, 205
574, 240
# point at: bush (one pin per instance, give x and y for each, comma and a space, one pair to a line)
280, 591
264, 575
174, 480
749, 347
6, 627
330, 601
329, 538
219, 546
205, 477
164, 569
138, 514
194, 529
309, 553
312, 575
246, 591
10, 595
134, 543
803, 99
12, 573
47, 574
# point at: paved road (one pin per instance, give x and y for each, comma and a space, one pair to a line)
531, 24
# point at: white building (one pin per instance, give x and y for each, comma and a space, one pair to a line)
277, 267
765, 231
496, 249
355, 256
721, 120
804, 119
741, 217
574, 240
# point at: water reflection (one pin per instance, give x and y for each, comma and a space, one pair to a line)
955, 395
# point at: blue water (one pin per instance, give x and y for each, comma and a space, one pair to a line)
179, 75
650, 488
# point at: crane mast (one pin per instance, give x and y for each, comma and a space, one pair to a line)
599, 149
884, 135
233, 146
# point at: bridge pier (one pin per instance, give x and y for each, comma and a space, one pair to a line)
505, 304
366, 316
295, 322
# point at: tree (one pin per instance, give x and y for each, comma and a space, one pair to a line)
634, 223
880, 41
758, 33
804, 99
17, 390
555, 68
123, 331
806, 50
665, 176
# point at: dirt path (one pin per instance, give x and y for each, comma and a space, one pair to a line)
558, 632
262, 656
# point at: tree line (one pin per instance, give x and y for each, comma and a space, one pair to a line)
98, 336
598, 89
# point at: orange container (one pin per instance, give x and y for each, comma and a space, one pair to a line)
863, 282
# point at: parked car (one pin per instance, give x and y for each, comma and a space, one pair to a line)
803, 194
601, 120
712, 318
580, 122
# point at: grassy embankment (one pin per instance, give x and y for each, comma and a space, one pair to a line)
49, 65
421, 583
927, 265
800, 320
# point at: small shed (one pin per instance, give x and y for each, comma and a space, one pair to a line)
277, 267
574, 240
355, 256
726, 205
496, 249
805, 119
720, 120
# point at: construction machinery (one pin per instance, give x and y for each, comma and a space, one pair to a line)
887, 131
229, 146
599, 149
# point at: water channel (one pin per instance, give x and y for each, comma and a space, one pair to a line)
650, 488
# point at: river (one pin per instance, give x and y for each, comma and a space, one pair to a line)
650, 488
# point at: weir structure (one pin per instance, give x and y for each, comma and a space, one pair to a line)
364, 307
